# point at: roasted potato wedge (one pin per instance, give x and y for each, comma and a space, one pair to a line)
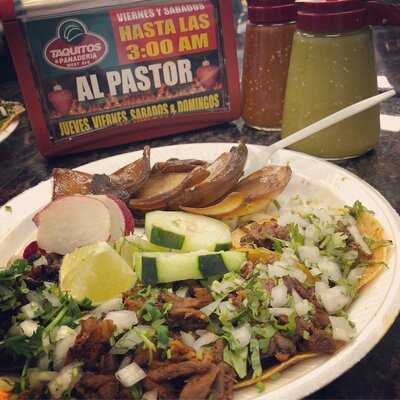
69, 182
251, 195
224, 173
176, 165
128, 179
228, 204
260, 188
161, 190
133, 176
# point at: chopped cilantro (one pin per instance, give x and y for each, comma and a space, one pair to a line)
137, 392
260, 386
357, 209
255, 358
306, 335
296, 236
162, 337
377, 244
278, 245
151, 312
8, 209
276, 204
237, 360
275, 376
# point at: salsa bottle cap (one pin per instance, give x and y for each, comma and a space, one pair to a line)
271, 11
331, 16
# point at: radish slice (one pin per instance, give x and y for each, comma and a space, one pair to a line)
71, 222
121, 217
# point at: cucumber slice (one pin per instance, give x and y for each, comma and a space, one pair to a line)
155, 268
212, 264
127, 246
187, 232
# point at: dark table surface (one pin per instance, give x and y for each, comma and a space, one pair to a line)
377, 376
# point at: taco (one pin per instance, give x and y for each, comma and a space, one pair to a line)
9, 112
362, 232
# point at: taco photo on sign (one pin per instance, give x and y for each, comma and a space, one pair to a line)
9, 112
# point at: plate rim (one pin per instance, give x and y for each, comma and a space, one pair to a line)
5, 133
373, 331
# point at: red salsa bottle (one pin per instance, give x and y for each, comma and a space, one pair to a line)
268, 45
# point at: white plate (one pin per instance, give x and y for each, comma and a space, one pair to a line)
373, 312
4, 134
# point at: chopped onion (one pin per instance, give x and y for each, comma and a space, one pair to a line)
309, 253
52, 298
276, 270
130, 375
227, 307
204, 340
63, 331
65, 380
341, 329
210, 308
297, 273
37, 378
301, 306
127, 342
279, 295
330, 269
151, 395
125, 361
355, 275
42, 260
311, 234
276, 311
188, 339
61, 350
110, 305
29, 327
123, 319
287, 217
223, 287
242, 334
182, 291
44, 362
355, 233
46, 344
31, 310
333, 299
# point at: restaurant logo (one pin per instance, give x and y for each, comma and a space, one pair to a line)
75, 47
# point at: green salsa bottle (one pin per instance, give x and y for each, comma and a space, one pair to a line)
332, 66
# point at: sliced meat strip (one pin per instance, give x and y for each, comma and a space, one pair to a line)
261, 233
202, 298
321, 317
108, 364
170, 370
92, 342
281, 347
247, 270
187, 319
199, 386
224, 383
181, 352
165, 391
305, 293
93, 386
321, 342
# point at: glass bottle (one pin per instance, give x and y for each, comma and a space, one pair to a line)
332, 66
268, 43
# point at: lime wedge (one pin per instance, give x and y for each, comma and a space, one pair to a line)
96, 271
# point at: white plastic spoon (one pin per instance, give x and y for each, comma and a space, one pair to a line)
329, 121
